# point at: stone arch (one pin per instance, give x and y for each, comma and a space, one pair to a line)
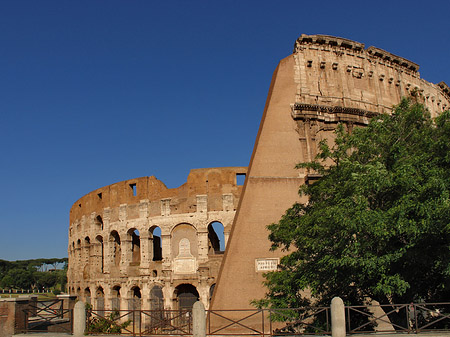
114, 239
155, 246
99, 252
135, 302
135, 240
115, 297
184, 231
87, 295
211, 291
98, 221
216, 238
185, 296
156, 298
100, 300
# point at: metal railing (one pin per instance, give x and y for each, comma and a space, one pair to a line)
393, 318
139, 322
41, 316
269, 322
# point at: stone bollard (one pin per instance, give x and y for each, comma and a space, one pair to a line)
198, 320
337, 317
79, 319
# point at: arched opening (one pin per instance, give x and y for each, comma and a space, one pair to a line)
78, 249
99, 252
157, 306
116, 249
216, 238
100, 301
156, 298
87, 295
186, 296
79, 293
211, 291
135, 245
99, 222
115, 298
155, 245
134, 303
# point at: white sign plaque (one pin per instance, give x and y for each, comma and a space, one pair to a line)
265, 265
184, 263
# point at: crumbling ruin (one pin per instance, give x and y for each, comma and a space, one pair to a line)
137, 244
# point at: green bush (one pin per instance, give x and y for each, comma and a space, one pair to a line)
106, 324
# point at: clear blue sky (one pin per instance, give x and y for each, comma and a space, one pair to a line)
95, 92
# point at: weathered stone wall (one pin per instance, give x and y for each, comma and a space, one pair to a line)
7, 318
117, 255
325, 81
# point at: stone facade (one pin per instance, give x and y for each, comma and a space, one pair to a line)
327, 80
137, 243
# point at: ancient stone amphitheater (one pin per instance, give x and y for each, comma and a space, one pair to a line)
138, 244
117, 258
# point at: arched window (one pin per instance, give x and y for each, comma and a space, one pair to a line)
99, 252
87, 295
100, 301
99, 222
216, 238
155, 245
114, 238
115, 298
135, 245
211, 291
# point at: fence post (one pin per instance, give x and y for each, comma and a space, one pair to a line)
337, 317
198, 320
79, 319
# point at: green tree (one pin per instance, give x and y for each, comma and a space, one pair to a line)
377, 224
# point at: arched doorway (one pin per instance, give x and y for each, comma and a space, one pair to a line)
134, 304
100, 301
87, 295
115, 298
157, 315
186, 296
156, 298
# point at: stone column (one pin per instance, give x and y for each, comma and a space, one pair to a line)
198, 320
108, 255
337, 317
202, 246
79, 319
165, 245
126, 254
145, 257
167, 294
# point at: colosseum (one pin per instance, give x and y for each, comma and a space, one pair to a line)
138, 244
117, 258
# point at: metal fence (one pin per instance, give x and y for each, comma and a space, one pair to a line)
139, 322
407, 318
393, 318
49, 315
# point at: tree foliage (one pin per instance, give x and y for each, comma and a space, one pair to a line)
32, 274
377, 224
